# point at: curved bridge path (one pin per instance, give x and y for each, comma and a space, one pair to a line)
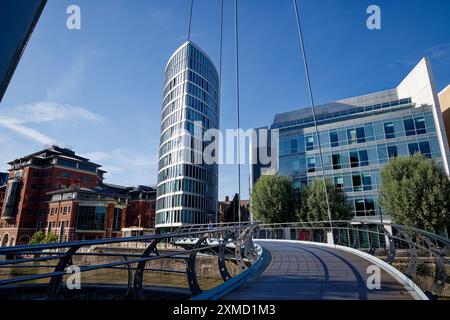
299, 271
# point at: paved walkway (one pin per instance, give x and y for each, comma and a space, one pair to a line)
308, 272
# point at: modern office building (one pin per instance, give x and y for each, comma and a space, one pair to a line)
18, 19
360, 135
187, 190
444, 101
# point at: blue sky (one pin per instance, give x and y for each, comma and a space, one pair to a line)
99, 89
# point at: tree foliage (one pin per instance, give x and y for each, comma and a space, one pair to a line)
313, 206
273, 199
415, 191
40, 238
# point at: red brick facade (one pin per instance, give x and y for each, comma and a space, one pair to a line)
141, 208
40, 177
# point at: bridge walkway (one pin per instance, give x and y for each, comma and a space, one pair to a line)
298, 271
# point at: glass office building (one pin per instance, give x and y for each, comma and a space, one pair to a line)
360, 135
17, 21
187, 189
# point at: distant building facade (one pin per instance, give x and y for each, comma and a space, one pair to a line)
187, 190
3, 181
82, 214
141, 207
223, 205
360, 135
55, 190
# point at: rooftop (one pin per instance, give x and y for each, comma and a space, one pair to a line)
410, 92
54, 151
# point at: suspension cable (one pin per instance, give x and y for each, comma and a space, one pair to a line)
236, 36
220, 59
190, 20
311, 98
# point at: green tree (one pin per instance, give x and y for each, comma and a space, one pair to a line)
273, 199
313, 205
37, 238
40, 238
415, 192
51, 237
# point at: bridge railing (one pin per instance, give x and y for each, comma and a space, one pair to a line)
422, 256
107, 267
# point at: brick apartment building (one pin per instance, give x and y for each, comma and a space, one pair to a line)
55, 190
222, 206
141, 207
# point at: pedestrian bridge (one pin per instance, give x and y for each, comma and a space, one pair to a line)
248, 261
303, 271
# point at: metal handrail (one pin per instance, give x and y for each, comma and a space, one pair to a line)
59, 245
229, 233
417, 242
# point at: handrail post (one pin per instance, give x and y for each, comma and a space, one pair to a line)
55, 281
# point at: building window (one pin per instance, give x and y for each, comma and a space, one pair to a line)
339, 182
309, 143
361, 182
293, 145
413, 148
424, 147
360, 135
420, 125
392, 152
354, 159
409, 127
117, 218
359, 207
389, 131
336, 159
363, 158
357, 182
91, 218
334, 139
351, 136
370, 206
365, 207
356, 135
311, 164
367, 182
359, 158
416, 126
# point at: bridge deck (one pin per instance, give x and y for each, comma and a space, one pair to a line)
299, 271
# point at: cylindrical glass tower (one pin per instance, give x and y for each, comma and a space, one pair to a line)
187, 187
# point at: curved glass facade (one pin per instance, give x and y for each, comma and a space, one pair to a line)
187, 187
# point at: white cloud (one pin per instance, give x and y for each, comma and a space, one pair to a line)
127, 164
17, 119
30, 133
46, 111
441, 51
70, 81
439, 54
